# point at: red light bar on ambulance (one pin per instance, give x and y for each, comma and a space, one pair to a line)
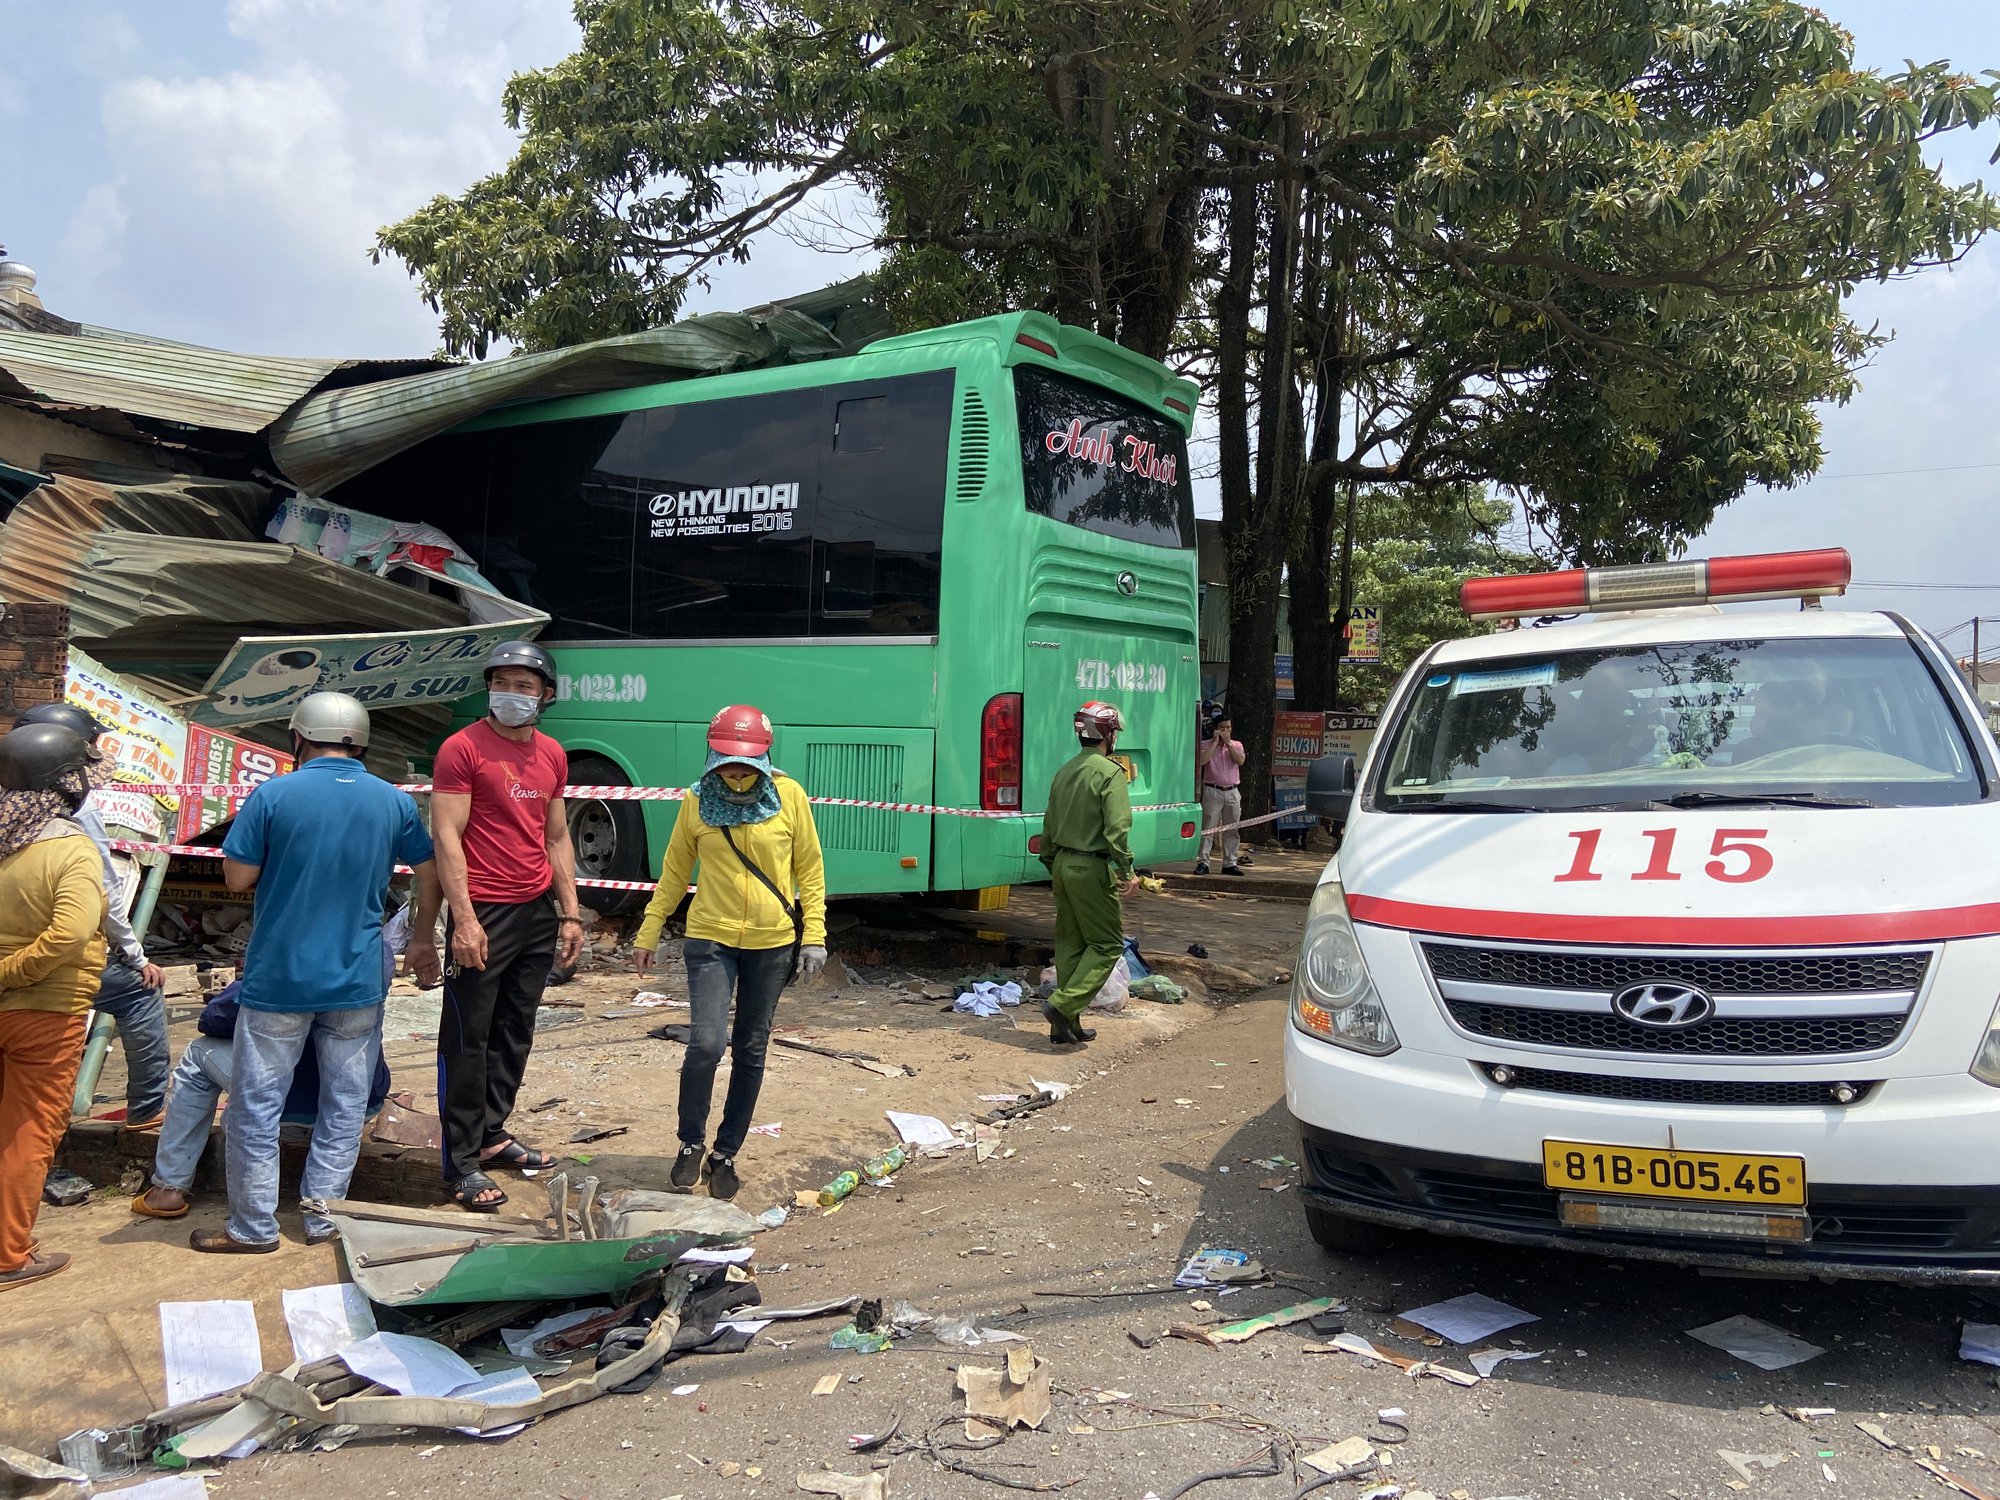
1715, 580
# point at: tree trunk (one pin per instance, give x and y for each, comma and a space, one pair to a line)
1316, 641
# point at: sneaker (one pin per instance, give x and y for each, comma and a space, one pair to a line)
722, 1179
1201, 867
1231, 870
687, 1167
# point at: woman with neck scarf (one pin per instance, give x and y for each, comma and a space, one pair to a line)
758, 918
51, 957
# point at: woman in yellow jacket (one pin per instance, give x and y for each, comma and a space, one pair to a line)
759, 916
51, 957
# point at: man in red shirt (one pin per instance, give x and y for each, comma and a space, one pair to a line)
509, 876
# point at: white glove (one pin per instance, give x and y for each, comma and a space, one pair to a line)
812, 958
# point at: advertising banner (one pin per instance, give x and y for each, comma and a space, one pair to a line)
218, 759
263, 677
1364, 635
1352, 733
1283, 665
145, 744
1297, 740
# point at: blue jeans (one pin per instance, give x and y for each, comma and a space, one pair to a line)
267, 1047
755, 976
141, 1013
200, 1078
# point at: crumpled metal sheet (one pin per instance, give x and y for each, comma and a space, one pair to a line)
168, 381
164, 575
334, 435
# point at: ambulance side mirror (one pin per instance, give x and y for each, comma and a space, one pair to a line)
1330, 783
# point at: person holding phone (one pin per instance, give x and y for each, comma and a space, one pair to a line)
758, 920
1220, 767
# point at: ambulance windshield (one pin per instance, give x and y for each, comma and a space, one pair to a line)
1833, 722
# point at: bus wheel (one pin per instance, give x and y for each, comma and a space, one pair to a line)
610, 839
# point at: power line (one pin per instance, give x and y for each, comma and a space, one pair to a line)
1897, 473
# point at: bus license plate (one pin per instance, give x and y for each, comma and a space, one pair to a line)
1708, 1176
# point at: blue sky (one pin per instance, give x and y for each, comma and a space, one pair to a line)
213, 170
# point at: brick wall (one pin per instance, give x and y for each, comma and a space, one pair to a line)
34, 656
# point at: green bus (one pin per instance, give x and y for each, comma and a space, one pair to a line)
918, 560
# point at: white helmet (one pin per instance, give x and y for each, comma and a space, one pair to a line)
331, 719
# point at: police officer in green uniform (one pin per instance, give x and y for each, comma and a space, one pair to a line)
1087, 848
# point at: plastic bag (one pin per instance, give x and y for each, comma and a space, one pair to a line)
1116, 989
1159, 988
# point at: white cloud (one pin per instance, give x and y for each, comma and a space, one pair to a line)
89, 244
251, 196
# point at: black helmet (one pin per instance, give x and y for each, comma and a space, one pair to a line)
35, 757
522, 654
78, 720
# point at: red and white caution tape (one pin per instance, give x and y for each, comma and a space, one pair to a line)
204, 851
623, 794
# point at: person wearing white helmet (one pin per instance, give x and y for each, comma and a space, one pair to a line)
319, 847
509, 873
1086, 845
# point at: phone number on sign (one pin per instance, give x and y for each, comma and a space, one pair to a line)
602, 687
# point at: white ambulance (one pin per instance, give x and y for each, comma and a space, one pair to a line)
1666, 932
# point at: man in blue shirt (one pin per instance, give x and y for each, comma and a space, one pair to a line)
318, 846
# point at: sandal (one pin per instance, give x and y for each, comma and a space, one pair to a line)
470, 1191
141, 1206
521, 1158
34, 1268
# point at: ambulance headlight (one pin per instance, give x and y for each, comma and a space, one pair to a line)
1333, 997
1986, 1066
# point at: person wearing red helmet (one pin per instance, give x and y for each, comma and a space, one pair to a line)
509, 874
758, 918
1086, 845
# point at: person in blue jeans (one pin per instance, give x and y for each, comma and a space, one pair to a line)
200, 1079
131, 989
319, 847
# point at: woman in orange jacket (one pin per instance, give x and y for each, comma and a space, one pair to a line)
51, 956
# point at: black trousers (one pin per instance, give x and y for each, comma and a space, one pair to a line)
488, 1026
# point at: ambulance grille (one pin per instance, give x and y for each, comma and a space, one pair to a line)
1769, 1004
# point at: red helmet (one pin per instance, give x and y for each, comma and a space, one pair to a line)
1098, 721
740, 729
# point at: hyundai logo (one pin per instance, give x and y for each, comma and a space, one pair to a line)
1128, 584
1665, 1007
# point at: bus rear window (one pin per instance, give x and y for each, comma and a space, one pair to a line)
1094, 459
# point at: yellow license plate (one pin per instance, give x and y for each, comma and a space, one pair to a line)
1707, 1176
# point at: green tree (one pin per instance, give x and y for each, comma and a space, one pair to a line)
1593, 251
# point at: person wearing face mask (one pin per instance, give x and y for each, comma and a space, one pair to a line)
509, 874
51, 953
758, 918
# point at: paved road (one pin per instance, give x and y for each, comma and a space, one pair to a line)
1111, 1190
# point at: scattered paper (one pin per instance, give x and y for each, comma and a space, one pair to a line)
652, 999
409, 1366
172, 1487
734, 1257
1468, 1319
521, 1342
921, 1130
1756, 1342
774, 1130
1742, 1462
750, 1326
1001, 1098
1486, 1361
844, 1486
208, 1347
1344, 1454
826, 1385
324, 1319
1980, 1342
686, 1390
1249, 1328
1053, 1090
1211, 1267
993, 1396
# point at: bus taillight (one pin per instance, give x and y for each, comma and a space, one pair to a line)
1000, 754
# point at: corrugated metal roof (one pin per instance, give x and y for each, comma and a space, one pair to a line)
164, 576
168, 381
335, 435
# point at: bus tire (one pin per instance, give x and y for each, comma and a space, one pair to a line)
1344, 1236
609, 838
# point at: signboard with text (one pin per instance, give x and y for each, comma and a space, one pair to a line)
1364, 635
144, 742
1297, 740
222, 759
263, 678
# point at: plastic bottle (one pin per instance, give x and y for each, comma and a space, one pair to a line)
889, 1161
839, 1188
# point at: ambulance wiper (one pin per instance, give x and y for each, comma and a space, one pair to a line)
1761, 799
